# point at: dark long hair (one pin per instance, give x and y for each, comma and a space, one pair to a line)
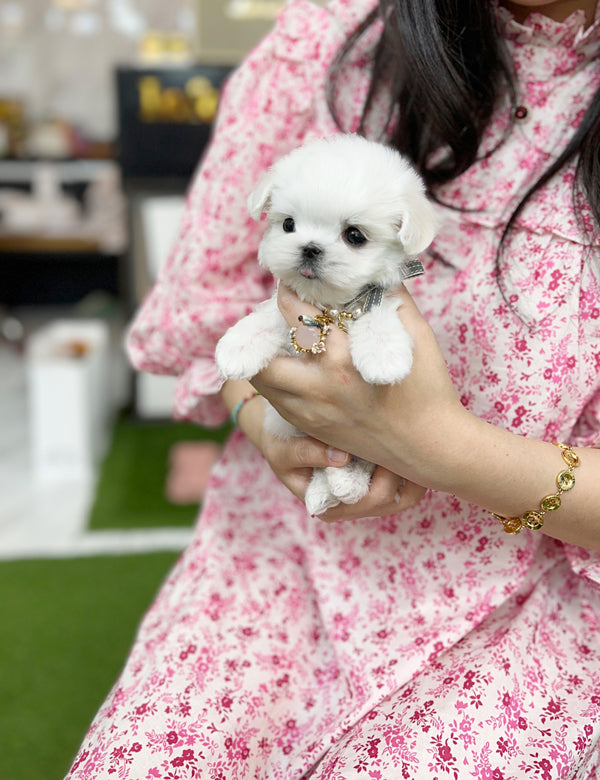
445, 66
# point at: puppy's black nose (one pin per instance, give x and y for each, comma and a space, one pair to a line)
311, 252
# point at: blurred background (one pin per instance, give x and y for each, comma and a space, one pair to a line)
106, 107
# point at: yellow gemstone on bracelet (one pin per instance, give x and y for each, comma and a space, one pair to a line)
533, 520
565, 480
512, 525
550, 503
570, 458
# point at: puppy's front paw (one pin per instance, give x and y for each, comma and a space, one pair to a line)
251, 344
381, 348
386, 366
237, 358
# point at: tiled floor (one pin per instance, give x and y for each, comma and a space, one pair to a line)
38, 520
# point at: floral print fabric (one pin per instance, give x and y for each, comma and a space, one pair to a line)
428, 644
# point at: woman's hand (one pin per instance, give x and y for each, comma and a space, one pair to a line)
404, 427
293, 461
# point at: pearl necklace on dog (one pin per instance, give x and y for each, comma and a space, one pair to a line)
368, 298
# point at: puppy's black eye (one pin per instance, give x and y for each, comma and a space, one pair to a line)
354, 236
289, 225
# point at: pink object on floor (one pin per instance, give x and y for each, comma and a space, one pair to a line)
190, 466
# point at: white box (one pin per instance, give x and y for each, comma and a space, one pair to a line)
154, 396
67, 369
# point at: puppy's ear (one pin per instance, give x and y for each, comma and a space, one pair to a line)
259, 197
418, 225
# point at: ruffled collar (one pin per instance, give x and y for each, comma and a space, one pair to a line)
544, 49
540, 30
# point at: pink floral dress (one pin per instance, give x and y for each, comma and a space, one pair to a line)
424, 645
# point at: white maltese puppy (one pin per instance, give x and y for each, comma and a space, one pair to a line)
347, 218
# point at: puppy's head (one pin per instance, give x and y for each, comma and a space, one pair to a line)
343, 213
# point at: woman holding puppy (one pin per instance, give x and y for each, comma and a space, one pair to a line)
447, 625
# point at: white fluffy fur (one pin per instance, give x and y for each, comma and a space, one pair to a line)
327, 186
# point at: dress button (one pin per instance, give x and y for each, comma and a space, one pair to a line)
521, 112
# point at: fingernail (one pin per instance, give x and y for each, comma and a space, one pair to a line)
336, 456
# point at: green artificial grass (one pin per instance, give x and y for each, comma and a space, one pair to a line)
130, 491
66, 628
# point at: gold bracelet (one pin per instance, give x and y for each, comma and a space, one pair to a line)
534, 518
